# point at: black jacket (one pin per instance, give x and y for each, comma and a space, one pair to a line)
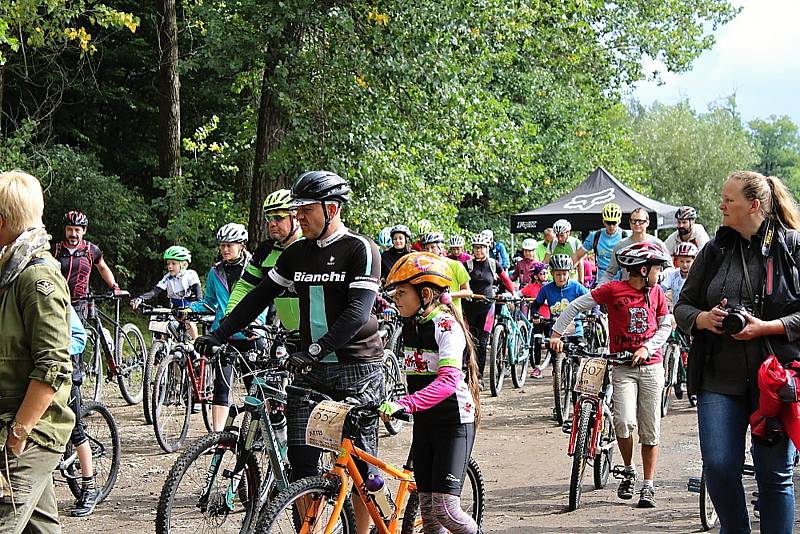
720, 363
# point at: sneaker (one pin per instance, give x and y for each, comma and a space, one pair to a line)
647, 497
84, 504
626, 487
536, 373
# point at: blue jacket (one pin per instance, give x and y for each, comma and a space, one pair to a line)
216, 295
499, 253
77, 333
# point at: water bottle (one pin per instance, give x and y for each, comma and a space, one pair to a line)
379, 492
278, 421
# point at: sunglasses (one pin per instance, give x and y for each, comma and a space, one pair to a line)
274, 218
610, 223
639, 221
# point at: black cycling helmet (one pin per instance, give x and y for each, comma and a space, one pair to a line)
76, 218
319, 186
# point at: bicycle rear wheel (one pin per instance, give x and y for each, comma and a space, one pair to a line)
669, 377
581, 456
171, 403
473, 501
103, 435
708, 514
498, 359
182, 506
562, 387
158, 351
92, 365
132, 355
604, 459
205, 405
519, 369
306, 505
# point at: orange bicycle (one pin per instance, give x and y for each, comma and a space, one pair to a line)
322, 504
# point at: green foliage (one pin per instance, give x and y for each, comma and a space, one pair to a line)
777, 144
687, 155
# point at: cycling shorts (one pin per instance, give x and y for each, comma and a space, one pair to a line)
440, 455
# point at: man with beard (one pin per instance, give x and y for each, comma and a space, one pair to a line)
688, 230
77, 257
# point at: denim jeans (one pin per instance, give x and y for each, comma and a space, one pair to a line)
723, 422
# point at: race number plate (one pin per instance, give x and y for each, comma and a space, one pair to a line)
158, 326
590, 376
326, 424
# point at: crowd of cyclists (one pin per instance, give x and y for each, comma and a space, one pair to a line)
315, 275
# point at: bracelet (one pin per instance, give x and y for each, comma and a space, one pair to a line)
15, 426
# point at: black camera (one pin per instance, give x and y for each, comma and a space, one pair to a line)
735, 321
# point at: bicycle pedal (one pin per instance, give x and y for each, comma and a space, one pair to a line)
566, 428
693, 485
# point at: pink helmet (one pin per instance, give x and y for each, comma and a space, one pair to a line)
644, 253
687, 248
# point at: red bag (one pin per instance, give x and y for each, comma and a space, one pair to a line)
777, 398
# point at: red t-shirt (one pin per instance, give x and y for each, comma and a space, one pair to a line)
631, 322
530, 291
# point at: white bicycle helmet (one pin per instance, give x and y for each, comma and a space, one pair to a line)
232, 233
686, 213
431, 238
686, 249
385, 237
561, 262
529, 244
489, 234
482, 240
562, 226
456, 241
643, 253
401, 229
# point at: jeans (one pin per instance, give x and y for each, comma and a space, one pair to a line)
723, 422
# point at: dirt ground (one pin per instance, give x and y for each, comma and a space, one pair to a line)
521, 452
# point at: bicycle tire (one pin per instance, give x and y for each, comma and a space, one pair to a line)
104, 442
92, 385
708, 514
475, 506
519, 369
604, 459
132, 355
580, 456
497, 368
156, 353
669, 378
171, 390
392, 377
205, 405
176, 509
281, 515
562, 387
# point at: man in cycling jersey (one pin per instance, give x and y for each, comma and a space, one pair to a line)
77, 257
688, 230
564, 243
336, 275
603, 241
283, 230
639, 222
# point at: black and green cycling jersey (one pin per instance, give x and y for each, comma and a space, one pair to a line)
264, 258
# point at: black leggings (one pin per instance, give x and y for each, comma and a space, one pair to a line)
475, 314
440, 454
78, 436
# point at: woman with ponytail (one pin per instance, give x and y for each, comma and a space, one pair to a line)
444, 400
759, 223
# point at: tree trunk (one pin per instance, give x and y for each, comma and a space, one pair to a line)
269, 132
169, 107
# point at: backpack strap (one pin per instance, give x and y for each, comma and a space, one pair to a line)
470, 264
493, 267
595, 242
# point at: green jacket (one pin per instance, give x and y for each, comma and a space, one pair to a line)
34, 345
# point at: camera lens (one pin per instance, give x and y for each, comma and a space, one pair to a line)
733, 323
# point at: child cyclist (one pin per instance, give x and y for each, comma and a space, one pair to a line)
639, 322
181, 283
562, 290
673, 282
444, 401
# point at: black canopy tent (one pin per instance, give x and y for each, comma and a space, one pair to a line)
583, 206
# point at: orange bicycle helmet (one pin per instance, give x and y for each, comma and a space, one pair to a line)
419, 268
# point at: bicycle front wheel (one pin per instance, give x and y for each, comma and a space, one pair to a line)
708, 514
103, 438
171, 403
307, 506
92, 366
132, 355
498, 359
393, 388
158, 351
197, 495
519, 369
562, 387
581, 456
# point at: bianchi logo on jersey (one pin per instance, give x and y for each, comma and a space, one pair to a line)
319, 277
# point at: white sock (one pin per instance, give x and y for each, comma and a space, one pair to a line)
647, 483
630, 469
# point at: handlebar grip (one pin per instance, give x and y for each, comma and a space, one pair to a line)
403, 415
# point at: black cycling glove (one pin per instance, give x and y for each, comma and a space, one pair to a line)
207, 343
300, 362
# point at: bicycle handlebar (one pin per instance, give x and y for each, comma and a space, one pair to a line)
92, 297
312, 396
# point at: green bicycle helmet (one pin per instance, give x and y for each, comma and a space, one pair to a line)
278, 201
178, 253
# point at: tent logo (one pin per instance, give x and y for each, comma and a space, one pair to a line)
585, 202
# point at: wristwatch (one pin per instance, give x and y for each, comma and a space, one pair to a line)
314, 349
19, 431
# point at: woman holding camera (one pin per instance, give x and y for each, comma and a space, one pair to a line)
741, 302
